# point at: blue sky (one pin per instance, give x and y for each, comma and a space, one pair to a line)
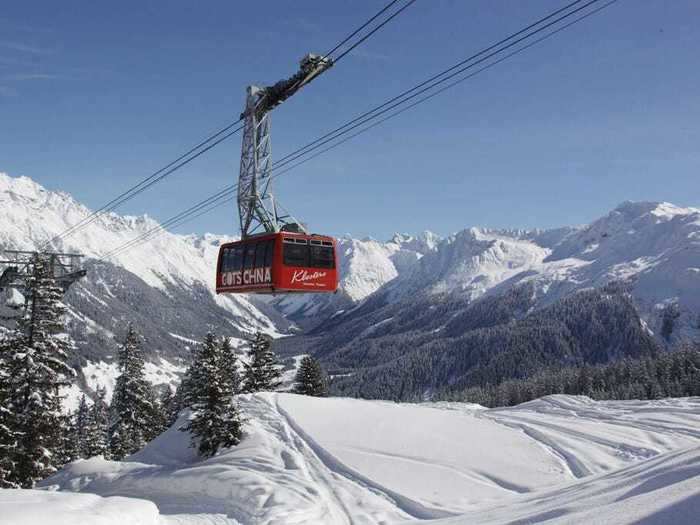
94, 96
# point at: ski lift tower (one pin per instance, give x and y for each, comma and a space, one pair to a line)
17, 267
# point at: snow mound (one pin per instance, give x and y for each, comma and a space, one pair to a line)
663, 490
42, 507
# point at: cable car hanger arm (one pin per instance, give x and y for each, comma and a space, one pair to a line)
310, 67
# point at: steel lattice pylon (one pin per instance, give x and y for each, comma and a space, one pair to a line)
256, 204
257, 209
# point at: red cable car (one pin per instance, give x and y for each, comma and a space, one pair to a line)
284, 258
278, 263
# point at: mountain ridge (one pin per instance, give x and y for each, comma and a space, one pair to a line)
649, 246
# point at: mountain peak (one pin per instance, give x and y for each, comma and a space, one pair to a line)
662, 210
635, 208
23, 186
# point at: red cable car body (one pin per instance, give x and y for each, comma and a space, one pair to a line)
281, 262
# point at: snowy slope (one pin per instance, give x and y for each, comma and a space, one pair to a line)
307, 460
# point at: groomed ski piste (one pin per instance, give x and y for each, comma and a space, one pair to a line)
559, 459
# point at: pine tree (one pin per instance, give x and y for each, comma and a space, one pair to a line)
181, 399
229, 366
132, 407
216, 421
8, 422
262, 371
157, 417
35, 368
81, 421
167, 403
310, 379
69, 447
97, 426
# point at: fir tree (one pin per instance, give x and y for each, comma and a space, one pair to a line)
97, 426
81, 422
262, 371
310, 379
216, 421
167, 404
132, 409
229, 366
35, 369
157, 417
181, 399
69, 445
8, 423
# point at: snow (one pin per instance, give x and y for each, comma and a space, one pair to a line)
42, 507
288, 376
71, 398
660, 491
591, 248
101, 374
104, 375
185, 339
667, 211
470, 263
163, 373
333, 461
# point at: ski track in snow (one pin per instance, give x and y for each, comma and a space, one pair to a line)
353, 462
346, 474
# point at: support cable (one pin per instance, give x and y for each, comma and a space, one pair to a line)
206, 144
215, 201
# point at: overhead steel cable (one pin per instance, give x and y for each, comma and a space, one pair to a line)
445, 88
356, 31
214, 202
429, 84
429, 80
225, 192
183, 160
145, 183
377, 28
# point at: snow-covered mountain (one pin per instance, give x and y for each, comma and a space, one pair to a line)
654, 247
165, 286
490, 305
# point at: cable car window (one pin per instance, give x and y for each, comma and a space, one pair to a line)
269, 251
224, 260
235, 259
249, 260
296, 255
260, 254
321, 257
